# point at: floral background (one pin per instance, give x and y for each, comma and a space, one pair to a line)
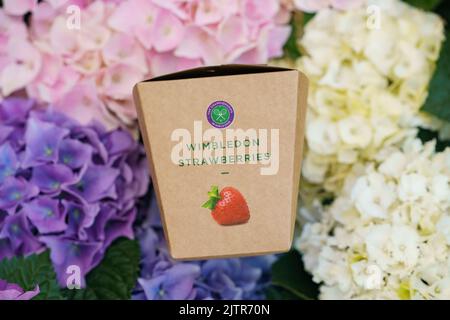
374, 201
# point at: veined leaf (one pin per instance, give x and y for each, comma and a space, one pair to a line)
115, 277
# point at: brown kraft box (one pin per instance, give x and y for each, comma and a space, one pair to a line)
224, 145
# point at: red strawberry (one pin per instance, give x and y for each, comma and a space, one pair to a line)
229, 207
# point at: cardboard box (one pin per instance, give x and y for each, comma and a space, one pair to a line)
224, 145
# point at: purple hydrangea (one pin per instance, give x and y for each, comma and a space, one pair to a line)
64, 186
11, 291
163, 278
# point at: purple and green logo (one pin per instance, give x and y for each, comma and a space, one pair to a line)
220, 114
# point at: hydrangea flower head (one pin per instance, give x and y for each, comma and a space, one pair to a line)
363, 95
386, 236
65, 186
85, 63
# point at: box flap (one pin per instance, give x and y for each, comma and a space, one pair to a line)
218, 71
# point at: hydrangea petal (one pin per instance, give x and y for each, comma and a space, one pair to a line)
5, 131
180, 280
15, 190
119, 142
23, 68
232, 32
17, 229
82, 103
74, 153
6, 250
19, 7
51, 178
11, 291
118, 81
198, 43
163, 63
80, 217
123, 48
96, 183
42, 142
8, 162
168, 32
176, 283
46, 214
208, 12
28, 295
14, 110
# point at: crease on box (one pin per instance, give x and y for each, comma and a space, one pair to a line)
302, 94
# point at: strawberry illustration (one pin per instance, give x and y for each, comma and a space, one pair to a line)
229, 207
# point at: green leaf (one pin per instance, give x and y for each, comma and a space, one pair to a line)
213, 198
290, 280
298, 22
290, 47
31, 271
438, 100
115, 277
424, 4
426, 135
307, 17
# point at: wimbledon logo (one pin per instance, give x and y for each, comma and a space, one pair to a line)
220, 114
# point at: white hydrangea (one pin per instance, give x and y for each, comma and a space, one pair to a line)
387, 235
367, 84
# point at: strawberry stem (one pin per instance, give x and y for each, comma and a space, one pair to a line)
213, 198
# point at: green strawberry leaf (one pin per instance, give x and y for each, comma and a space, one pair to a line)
31, 271
290, 280
438, 100
213, 198
424, 4
115, 277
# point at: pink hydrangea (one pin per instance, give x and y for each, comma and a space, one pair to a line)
87, 70
19, 7
316, 5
